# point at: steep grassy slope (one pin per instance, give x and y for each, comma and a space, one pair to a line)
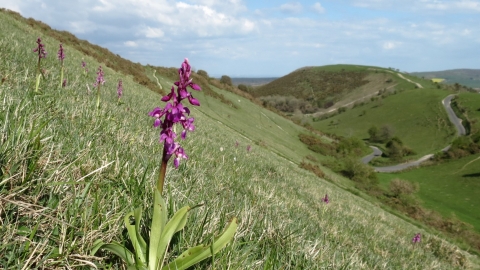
71, 172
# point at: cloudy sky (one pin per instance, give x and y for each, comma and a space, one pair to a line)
259, 38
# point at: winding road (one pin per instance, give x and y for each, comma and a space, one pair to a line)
457, 122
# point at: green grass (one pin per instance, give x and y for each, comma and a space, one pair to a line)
471, 103
449, 188
71, 172
416, 116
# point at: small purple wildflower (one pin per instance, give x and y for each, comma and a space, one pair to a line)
84, 66
120, 89
416, 238
325, 199
61, 54
100, 80
175, 113
64, 83
40, 49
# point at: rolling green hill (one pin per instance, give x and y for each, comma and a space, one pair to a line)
467, 77
326, 88
70, 172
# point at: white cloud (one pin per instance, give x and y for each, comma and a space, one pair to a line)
11, 4
104, 6
81, 27
421, 5
213, 32
153, 32
389, 45
318, 8
130, 43
294, 7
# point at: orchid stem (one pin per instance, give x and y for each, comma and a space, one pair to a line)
163, 171
98, 97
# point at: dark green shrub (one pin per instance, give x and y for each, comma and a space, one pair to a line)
226, 80
243, 87
203, 73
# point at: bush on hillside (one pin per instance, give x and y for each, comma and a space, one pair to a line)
400, 187
317, 145
360, 173
203, 73
313, 168
288, 104
243, 87
380, 135
351, 147
226, 80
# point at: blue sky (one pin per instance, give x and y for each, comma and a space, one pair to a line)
270, 37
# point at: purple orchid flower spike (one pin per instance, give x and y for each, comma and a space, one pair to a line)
325, 199
120, 89
173, 113
42, 53
416, 238
100, 80
60, 53
40, 49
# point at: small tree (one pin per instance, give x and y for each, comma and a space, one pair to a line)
386, 133
203, 73
395, 148
374, 133
402, 187
243, 87
226, 80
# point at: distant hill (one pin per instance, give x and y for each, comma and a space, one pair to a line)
253, 81
313, 89
467, 77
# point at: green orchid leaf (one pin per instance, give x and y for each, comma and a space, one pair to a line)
115, 248
159, 220
196, 254
141, 241
140, 252
175, 224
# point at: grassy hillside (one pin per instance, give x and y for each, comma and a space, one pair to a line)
70, 172
448, 188
326, 88
467, 77
416, 116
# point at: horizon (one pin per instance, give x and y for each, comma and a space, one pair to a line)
273, 38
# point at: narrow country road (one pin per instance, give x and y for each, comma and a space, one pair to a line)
457, 122
376, 153
399, 167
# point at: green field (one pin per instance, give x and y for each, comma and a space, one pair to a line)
416, 116
70, 173
449, 188
471, 103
